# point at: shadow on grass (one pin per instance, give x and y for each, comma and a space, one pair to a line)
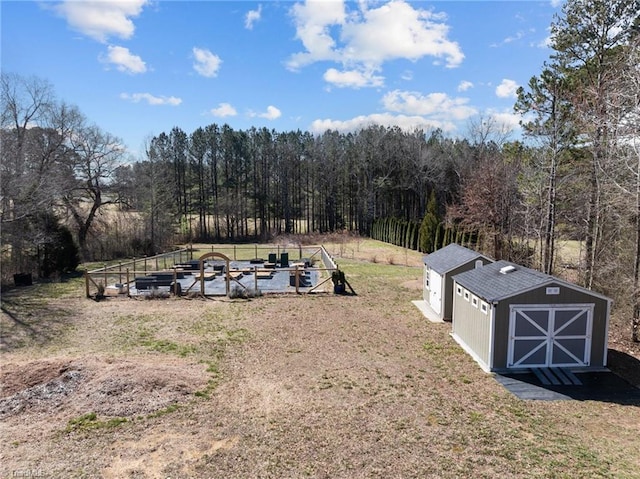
596, 386
619, 385
625, 366
27, 318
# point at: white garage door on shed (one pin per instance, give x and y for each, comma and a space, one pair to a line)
550, 335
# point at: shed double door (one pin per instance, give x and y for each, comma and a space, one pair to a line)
550, 336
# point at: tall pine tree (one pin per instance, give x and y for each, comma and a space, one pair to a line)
429, 226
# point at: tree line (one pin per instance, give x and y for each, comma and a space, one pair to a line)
575, 175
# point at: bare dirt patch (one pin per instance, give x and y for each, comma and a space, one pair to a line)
413, 285
66, 388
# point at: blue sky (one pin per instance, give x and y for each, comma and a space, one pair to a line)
137, 68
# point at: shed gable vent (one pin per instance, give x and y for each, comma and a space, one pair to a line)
507, 269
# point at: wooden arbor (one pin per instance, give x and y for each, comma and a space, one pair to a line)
202, 260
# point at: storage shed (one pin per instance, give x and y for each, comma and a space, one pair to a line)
439, 267
509, 317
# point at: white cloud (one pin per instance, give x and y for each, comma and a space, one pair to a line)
363, 39
507, 89
518, 36
352, 78
101, 19
465, 85
271, 114
407, 110
151, 99
545, 42
223, 110
435, 105
407, 75
397, 30
252, 17
124, 60
404, 122
505, 120
556, 3
313, 20
206, 63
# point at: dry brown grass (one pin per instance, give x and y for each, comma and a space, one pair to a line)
280, 386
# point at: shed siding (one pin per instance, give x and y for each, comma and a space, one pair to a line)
472, 326
449, 289
539, 296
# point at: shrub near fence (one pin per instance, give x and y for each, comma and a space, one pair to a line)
397, 232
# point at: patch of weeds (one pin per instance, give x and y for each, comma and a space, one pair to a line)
237, 335
476, 416
136, 319
518, 410
442, 350
326, 382
90, 421
137, 332
401, 424
240, 292
169, 347
157, 294
348, 384
212, 384
164, 411
62, 289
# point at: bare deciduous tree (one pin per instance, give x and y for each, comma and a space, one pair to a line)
96, 155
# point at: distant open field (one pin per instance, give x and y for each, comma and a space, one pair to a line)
319, 386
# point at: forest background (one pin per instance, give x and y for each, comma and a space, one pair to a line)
71, 193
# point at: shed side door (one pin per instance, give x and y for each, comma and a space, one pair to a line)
435, 298
549, 336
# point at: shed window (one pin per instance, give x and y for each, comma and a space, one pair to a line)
459, 290
484, 307
466, 295
474, 301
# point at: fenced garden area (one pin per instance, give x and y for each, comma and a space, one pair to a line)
216, 270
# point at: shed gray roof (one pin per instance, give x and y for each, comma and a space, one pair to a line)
450, 257
492, 285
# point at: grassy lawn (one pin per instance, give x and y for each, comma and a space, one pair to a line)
280, 386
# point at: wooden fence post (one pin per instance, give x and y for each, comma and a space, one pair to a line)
255, 279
